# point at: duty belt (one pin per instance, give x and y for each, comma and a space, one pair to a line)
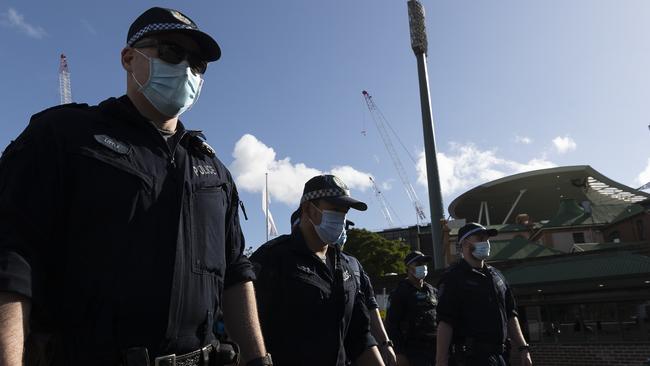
199, 357
215, 354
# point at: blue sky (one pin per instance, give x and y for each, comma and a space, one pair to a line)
514, 86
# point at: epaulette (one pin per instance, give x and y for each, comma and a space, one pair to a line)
275, 241
61, 106
264, 249
198, 143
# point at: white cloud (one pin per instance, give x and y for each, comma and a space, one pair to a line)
564, 144
523, 140
467, 166
286, 180
11, 18
644, 176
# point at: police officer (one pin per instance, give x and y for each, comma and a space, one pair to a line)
476, 309
367, 293
309, 306
119, 228
411, 315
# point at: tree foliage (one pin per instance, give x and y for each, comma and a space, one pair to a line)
377, 255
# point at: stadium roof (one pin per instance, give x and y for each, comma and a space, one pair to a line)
539, 193
518, 248
574, 268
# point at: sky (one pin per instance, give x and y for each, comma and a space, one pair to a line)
515, 86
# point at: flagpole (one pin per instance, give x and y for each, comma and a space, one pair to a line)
266, 203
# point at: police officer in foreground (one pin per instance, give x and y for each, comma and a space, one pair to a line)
309, 303
476, 309
119, 228
411, 315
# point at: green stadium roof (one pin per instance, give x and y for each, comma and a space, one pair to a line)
518, 248
579, 267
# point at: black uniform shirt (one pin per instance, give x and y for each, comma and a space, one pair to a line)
118, 238
411, 316
365, 286
477, 303
305, 320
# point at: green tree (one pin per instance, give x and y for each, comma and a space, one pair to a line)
377, 255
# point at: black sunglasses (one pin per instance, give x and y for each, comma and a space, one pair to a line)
174, 53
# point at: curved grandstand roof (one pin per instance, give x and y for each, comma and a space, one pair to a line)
539, 193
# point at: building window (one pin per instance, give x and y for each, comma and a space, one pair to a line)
578, 238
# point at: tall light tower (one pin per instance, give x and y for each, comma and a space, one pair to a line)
419, 46
64, 81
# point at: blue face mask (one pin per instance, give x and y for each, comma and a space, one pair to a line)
421, 271
342, 239
481, 250
171, 89
331, 227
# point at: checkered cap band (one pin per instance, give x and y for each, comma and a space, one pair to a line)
155, 27
324, 193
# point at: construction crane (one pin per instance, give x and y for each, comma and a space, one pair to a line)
64, 81
383, 205
382, 123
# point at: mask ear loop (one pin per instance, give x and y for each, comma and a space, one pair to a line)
141, 86
319, 210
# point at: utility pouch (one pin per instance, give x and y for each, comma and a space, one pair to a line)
225, 353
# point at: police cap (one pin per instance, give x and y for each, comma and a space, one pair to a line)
473, 228
332, 189
416, 256
161, 20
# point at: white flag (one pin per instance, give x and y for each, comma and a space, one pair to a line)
266, 200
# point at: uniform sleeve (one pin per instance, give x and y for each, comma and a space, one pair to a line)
449, 300
265, 288
511, 304
359, 338
238, 268
367, 290
395, 315
28, 193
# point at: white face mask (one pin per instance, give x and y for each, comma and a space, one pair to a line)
421, 272
481, 250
